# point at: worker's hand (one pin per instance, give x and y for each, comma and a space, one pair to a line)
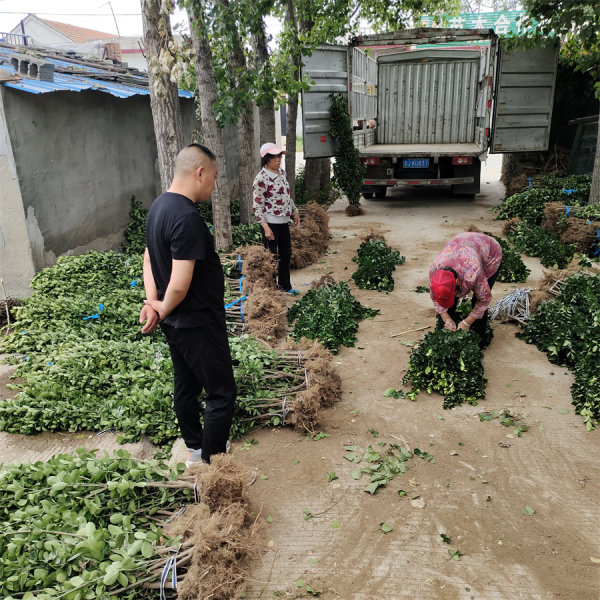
449, 323
149, 317
158, 306
268, 232
464, 326
297, 220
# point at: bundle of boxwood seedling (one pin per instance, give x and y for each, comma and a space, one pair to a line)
85, 365
449, 363
528, 236
512, 269
376, 265
330, 314
567, 328
463, 310
81, 526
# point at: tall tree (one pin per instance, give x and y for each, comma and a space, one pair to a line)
212, 133
164, 96
578, 24
266, 91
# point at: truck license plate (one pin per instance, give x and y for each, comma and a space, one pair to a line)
416, 163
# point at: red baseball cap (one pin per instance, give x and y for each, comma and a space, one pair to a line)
442, 286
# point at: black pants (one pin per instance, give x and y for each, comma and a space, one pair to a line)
202, 360
281, 247
480, 324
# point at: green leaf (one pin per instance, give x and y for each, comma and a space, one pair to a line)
269, 519
335, 525
445, 538
331, 476
385, 528
528, 510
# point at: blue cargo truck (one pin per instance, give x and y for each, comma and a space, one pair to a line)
427, 105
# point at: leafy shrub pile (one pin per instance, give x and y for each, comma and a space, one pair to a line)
535, 241
512, 269
79, 526
376, 265
329, 314
449, 363
135, 232
529, 205
86, 366
567, 329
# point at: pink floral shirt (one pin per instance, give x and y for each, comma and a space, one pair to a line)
271, 197
475, 257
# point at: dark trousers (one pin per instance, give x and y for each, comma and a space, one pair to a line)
480, 324
281, 247
202, 361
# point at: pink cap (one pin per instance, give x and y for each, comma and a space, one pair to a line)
270, 148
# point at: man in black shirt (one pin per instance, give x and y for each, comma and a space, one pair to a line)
184, 285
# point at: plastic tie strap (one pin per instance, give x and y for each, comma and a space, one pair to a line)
97, 315
568, 191
171, 567
568, 210
177, 514
196, 493
299, 357
240, 300
529, 180
284, 410
239, 263
133, 283
598, 236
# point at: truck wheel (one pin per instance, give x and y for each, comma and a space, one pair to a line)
381, 192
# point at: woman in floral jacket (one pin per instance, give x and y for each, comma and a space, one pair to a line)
274, 207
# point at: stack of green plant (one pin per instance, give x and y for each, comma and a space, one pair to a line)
101, 373
529, 205
135, 232
532, 240
512, 269
329, 314
449, 363
463, 310
567, 329
79, 526
376, 265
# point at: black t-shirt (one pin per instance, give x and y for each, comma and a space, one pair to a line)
175, 230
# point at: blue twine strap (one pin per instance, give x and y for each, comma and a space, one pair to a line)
598, 236
134, 283
568, 191
239, 263
242, 277
529, 180
235, 302
568, 210
97, 315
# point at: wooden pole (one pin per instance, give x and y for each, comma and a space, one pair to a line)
410, 330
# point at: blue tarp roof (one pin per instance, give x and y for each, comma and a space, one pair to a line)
77, 82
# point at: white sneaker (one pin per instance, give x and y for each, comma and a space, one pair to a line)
195, 456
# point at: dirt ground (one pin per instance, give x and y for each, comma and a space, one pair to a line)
483, 475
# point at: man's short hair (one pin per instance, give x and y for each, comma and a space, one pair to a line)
192, 157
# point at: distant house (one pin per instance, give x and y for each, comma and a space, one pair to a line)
65, 37
76, 143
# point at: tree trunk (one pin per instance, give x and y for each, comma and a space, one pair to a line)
595, 189
292, 104
312, 179
266, 107
164, 98
212, 133
325, 173
245, 129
